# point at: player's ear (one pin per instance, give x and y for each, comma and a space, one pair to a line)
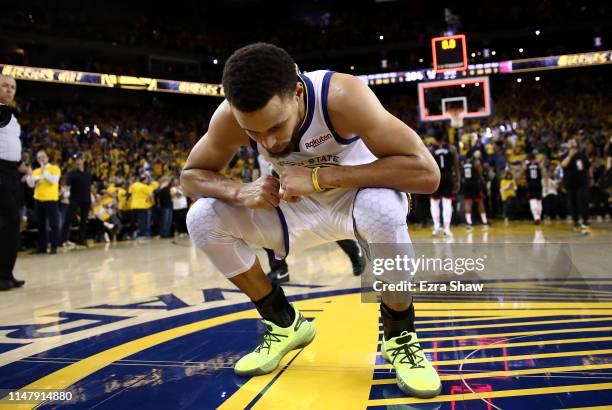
299, 89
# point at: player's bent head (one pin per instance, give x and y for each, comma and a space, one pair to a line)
254, 74
264, 91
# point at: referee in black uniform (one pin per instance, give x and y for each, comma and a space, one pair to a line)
10, 157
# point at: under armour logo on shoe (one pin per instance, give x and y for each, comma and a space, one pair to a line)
299, 323
403, 339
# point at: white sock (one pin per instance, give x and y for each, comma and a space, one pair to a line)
447, 212
434, 208
539, 208
533, 205
468, 218
483, 218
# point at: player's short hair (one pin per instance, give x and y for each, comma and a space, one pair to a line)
255, 73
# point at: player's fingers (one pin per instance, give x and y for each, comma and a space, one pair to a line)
288, 193
265, 203
273, 198
272, 182
275, 193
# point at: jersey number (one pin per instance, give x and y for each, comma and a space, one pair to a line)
468, 172
533, 173
441, 161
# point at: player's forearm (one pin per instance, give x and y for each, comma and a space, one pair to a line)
197, 183
403, 173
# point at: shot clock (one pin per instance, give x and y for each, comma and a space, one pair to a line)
449, 53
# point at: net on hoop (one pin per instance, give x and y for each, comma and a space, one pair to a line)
456, 117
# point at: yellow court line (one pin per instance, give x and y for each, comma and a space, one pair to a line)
507, 313
537, 313
573, 290
606, 407
513, 305
467, 319
513, 324
338, 366
547, 285
255, 385
543, 290
481, 319
508, 373
508, 297
533, 333
521, 344
558, 282
494, 394
533, 286
512, 358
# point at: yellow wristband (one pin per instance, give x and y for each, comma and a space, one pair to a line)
315, 179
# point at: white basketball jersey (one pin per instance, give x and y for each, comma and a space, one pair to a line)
318, 144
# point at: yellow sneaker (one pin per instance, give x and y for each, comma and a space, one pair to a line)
276, 343
415, 375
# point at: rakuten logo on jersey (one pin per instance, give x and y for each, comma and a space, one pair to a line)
318, 141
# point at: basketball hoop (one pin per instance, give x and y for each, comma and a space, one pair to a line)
456, 117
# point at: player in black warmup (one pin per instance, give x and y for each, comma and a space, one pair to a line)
532, 173
450, 176
472, 189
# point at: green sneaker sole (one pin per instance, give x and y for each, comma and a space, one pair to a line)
419, 394
273, 364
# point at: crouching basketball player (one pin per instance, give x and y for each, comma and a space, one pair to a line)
344, 164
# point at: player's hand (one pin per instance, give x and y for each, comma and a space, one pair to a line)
261, 193
295, 182
573, 151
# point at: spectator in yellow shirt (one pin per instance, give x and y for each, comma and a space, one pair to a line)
45, 181
141, 193
507, 189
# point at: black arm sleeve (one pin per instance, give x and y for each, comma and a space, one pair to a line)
5, 115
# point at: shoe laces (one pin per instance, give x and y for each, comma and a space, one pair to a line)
406, 352
267, 338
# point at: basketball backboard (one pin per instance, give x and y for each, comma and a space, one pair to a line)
438, 98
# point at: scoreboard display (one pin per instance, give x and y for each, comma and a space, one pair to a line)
449, 53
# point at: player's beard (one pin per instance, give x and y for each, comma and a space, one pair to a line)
289, 148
